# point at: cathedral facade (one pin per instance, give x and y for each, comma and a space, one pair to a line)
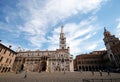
59, 60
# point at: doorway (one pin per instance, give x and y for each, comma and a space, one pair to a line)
43, 66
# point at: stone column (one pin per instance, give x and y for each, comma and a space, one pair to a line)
47, 66
88, 68
78, 68
85, 68
72, 67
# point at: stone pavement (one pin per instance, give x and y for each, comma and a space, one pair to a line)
60, 77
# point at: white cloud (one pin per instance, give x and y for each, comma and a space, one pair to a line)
118, 27
39, 17
118, 20
61, 9
103, 48
7, 19
77, 36
53, 11
92, 47
4, 26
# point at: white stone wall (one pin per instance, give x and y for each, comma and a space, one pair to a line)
59, 60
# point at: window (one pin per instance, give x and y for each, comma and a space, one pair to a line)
10, 54
10, 61
111, 56
0, 49
53, 63
5, 51
1, 59
7, 60
117, 50
113, 43
79, 62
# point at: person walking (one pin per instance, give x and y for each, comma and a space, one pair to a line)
100, 73
26, 74
108, 72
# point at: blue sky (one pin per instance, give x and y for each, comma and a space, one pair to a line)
35, 24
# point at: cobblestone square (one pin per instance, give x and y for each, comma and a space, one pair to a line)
60, 77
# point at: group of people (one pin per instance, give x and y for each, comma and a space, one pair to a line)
100, 72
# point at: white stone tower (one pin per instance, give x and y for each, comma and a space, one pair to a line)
62, 39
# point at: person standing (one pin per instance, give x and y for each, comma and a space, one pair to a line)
92, 73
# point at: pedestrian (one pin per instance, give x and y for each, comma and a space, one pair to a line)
64, 72
25, 74
16, 72
108, 72
81, 70
100, 73
39, 71
93, 73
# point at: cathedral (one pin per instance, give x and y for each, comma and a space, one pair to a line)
59, 60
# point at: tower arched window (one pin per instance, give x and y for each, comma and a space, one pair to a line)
111, 56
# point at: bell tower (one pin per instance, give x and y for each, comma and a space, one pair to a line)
110, 41
62, 39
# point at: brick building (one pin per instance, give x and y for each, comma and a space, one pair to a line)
89, 62
99, 60
7, 57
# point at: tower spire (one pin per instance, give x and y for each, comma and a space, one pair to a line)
105, 29
106, 33
62, 41
62, 29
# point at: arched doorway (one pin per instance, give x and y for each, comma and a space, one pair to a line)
21, 68
90, 69
58, 68
43, 66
